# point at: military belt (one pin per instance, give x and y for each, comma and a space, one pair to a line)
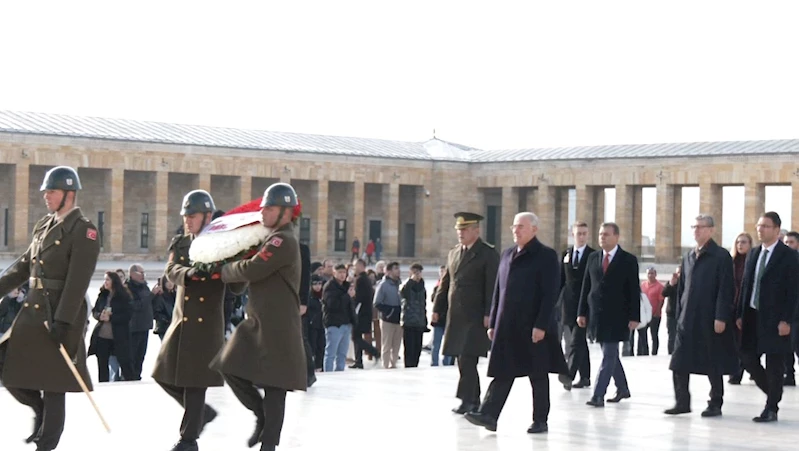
38, 283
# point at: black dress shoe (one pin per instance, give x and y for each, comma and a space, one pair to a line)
734, 381
356, 366
37, 426
677, 410
481, 419
566, 381
582, 383
255, 438
619, 397
595, 402
465, 407
537, 428
712, 411
186, 445
768, 416
789, 382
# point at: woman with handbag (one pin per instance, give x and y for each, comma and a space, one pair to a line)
111, 335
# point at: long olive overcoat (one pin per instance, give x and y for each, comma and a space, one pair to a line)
266, 348
197, 331
465, 294
61, 258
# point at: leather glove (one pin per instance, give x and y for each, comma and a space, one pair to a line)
196, 274
59, 331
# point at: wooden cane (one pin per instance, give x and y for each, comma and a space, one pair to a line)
78, 378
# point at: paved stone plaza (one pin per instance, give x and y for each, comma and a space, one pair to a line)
389, 410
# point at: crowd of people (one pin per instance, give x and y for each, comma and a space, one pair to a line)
273, 320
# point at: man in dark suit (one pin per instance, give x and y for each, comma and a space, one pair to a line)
704, 310
610, 307
575, 259
768, 307
465, 294
522, 326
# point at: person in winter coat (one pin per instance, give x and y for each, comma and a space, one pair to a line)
316, 327
522, 326
338, 314
704, 310
9, 307
362, 328
163, 305
111, 335
414, 315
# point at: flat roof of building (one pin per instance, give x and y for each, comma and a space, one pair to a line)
432, 150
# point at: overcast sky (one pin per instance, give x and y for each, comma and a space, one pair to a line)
508, 75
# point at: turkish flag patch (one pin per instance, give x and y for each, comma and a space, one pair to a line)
91, 234
276, 242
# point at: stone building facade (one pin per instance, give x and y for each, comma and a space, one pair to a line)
135, 174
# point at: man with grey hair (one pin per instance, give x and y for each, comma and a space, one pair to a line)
704, 342
142, 320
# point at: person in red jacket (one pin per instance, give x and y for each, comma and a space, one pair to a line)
370, 250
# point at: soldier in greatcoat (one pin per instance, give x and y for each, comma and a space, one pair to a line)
266, 349
465, 294
197, 330
58, 265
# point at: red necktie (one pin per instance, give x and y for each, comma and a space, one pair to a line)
606, 263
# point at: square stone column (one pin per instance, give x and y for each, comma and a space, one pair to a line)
754, 205
585, 210
161, 233
323, 235
204, 183
510, 206
390, 237
667, 217
545, 210
21, 196
795, 205
357, 220
625, 212
245, 187
117, 229
427, 225
711, 203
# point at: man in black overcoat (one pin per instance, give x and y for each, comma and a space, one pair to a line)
767, 308
704, 342
610, 306
522, 326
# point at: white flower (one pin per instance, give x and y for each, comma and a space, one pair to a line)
218, 246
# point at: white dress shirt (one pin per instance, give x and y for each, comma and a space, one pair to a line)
580, 254
757, 269
612, 254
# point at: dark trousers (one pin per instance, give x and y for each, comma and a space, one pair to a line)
499, 389
412, 339
362, 346
643, 343
469, 381
48, 405
770, 378
138, 348
192, 399
309, 354
789, 359
610, 368
316, 338
683, 396
654, 329
104, 349
269, 409
671, 329
577, 351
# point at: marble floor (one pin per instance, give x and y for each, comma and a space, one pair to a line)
386, 410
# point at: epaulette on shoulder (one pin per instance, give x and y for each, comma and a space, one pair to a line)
174, 241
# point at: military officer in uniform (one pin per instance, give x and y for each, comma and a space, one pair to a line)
197, 331
266, 349
59, 265
465, 293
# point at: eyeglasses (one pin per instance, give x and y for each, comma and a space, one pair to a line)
696, 226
